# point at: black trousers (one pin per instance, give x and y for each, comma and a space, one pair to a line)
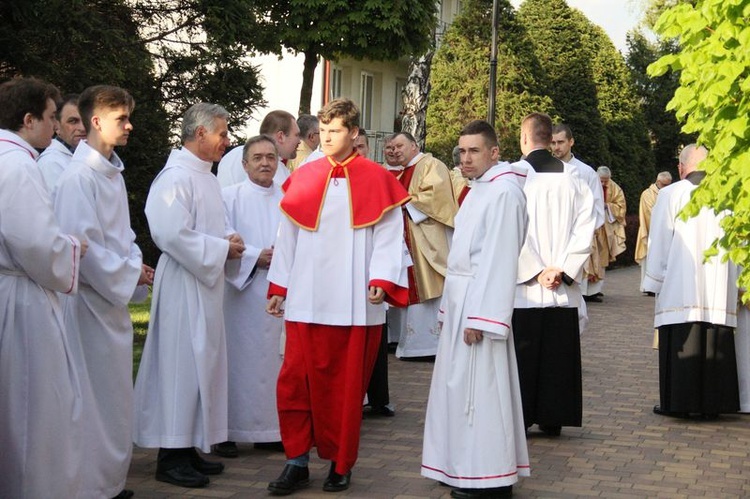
377, 390
698, 369
548, 351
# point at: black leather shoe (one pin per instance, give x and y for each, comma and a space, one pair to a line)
551, 430
183, 475
272, 446
336, 482
291, 479
225, 449
124, 494
661, 412
592, 299
379, 410
493, 493
203, 466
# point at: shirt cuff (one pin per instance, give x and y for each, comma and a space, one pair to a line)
395, 295
275, 289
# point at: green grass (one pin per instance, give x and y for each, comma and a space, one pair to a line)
139, 314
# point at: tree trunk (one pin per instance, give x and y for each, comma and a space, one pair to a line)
415, 98
308, 76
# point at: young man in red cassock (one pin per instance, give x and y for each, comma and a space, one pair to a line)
339, 254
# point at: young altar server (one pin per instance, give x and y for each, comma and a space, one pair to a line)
40, 406
91, 200
338, 256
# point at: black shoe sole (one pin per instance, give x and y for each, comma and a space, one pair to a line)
285, 492
191, 485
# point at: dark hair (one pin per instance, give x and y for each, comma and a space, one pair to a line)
276, 121
257, 139
363, 133
561, 127
481, 127
22, 96
345, 109
64, 101
102, 97
539, 126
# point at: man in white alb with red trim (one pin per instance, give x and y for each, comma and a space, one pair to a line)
474, 430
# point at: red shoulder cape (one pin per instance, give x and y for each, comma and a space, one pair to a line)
372, 191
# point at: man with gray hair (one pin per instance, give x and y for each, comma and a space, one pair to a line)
648, 199
278, 124
181, 387
609, 239
309, 134
696, 302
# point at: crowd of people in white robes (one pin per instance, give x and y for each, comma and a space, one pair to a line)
492, 291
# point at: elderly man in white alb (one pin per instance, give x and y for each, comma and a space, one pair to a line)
253, 337
91, 199
181, 387
696, 302
278, 124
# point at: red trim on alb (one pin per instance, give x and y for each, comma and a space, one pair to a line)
488, 320
491, 477
507, 173
19, 145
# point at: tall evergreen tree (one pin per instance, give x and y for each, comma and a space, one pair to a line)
91, 43
562, 44
654, 94
629, 148
460, 79
591, 88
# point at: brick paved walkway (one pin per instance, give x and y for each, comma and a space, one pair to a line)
622, 450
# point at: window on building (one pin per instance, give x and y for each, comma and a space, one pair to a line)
336, 77
365, 97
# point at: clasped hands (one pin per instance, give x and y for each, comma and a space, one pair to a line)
236, 246
550, 277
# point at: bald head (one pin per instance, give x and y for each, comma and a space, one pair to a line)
690, 157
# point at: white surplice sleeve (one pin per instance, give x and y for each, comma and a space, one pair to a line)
490, 296
661, 234
578, 249
30, 233
388, 262
169, 210
283, 253
112, 275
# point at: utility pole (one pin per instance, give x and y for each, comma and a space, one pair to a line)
493, 67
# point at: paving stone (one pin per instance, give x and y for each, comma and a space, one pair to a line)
623, 450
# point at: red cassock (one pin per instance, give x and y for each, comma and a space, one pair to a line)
327, 367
